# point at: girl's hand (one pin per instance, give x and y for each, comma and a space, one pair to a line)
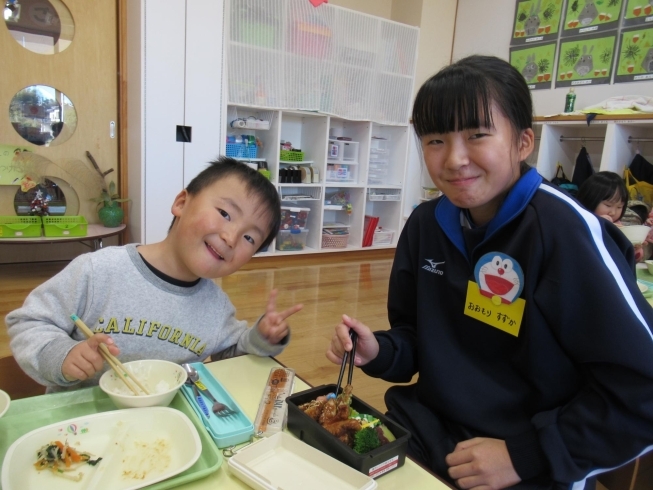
367, 347
84, 360
273, 326
482, 463
605, 216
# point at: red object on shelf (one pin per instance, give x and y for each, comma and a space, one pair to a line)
368, 230
317, 3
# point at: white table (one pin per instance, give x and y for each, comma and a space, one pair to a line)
244, 377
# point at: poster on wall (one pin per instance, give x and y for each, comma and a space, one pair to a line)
535, 63
590, 16
586, 60
536, 21
10, 174
638, 12
635, 57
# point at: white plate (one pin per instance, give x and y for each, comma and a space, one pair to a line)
5, 401
139, 447
282, 461
642, 287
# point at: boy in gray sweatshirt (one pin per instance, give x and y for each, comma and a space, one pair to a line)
158, 301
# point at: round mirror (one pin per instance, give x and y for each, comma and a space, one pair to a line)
42, 26
45, 199
43, 115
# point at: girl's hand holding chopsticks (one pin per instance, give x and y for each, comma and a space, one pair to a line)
84, 360
367, 347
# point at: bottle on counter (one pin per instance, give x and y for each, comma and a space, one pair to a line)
570, 100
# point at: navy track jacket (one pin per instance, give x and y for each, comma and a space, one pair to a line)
572, 394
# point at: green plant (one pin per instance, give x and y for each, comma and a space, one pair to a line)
543, 65
549, 11
606, 55
109, 197
571, 56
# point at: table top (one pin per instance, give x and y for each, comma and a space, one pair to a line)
244, 378
94, 232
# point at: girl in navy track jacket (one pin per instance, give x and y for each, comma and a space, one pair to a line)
518, 308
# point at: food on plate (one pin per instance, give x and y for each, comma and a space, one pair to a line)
361, 432
143, 458
63, 460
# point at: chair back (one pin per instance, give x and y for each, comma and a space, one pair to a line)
15, 382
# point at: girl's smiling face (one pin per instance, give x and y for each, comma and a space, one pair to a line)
217, 230
475, 168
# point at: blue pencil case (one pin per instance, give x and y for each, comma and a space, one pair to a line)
224, 430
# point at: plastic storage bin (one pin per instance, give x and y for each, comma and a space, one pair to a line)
383, 237
225, 431
65, 226
293, 218
20, 226
239, 150
291, 156
374, 463
291, 239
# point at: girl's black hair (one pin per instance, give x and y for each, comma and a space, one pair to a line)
255, 183
460, 97
602, 186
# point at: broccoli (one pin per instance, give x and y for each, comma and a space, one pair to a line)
365, 440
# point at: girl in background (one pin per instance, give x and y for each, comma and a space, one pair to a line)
604, 194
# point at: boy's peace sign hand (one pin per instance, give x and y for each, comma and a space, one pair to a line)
273, 326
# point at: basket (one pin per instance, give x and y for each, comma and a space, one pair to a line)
291, 156
239, 150
65, 226
334, 241
20, 226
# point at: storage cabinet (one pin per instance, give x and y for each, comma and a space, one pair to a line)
336, 182
610, 141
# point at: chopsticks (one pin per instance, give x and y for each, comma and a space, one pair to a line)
351, 356
112, 360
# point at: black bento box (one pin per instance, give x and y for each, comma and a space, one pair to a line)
374, 463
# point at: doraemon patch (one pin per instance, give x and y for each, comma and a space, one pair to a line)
494, 297
499, 277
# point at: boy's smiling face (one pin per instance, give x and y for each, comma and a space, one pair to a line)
217, 230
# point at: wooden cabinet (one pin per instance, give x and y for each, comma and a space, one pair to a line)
336, 182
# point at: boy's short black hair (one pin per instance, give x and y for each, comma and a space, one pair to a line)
602, 186
460, 97
255, 184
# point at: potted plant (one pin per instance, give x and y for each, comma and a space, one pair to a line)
109, 212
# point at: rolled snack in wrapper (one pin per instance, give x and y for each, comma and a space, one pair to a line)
273, 410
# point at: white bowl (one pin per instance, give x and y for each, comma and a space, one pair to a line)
161, 378
635, 233
5, 401
649, 266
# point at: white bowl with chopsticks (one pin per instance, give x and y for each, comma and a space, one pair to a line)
162, 379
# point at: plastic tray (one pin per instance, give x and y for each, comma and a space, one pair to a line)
225, 431
64, 226
28, 414
20, 226
281, 461
375, 463
291, 156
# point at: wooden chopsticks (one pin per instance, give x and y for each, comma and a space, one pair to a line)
112, 360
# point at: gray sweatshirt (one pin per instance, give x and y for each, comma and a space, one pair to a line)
114, 292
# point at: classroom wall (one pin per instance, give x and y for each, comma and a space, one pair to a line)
484, 27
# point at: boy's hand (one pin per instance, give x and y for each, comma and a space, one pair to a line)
84, 360
482, 463
273, 326
367, 347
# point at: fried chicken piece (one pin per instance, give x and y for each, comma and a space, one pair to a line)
313, 409
329, 412
344, 430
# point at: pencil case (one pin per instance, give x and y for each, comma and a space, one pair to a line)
226, 430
